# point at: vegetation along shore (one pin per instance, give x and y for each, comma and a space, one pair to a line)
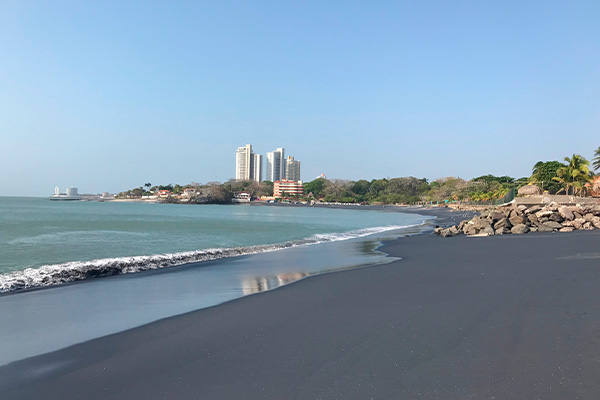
572, 176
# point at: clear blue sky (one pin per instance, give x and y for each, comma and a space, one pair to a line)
108, 95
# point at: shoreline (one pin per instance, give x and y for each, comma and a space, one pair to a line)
118, 300
504, 315
112, 266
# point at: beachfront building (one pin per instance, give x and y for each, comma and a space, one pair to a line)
292, 169
286, 188
243, 163
276, 165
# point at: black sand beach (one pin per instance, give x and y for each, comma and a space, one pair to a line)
482, 318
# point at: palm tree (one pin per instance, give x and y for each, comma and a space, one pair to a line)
575, 173
597, 159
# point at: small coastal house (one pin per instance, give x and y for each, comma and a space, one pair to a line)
163, 193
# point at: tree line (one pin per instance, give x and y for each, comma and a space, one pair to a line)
572, 176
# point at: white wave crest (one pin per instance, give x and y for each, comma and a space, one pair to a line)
49, 275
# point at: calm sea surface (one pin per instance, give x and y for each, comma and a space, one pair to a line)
36, 232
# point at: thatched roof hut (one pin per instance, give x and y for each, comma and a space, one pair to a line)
529, 190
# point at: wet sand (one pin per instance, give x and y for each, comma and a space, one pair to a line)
498, 317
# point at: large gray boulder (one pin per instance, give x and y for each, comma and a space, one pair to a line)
496, 216
488, 230
556, 217
583, 208
533, 210
566, 213
578, 223
480, 223
503, 223
446, 233
553, 224
519, 229
533, 219
544, 213
469, 228
516, 219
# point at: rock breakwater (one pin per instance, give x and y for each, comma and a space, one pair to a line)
523, 219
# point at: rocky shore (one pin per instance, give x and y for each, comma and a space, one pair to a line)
523, 219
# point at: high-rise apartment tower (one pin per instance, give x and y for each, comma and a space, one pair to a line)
243, 163
276, 165
257, 168
292, 169
248, 166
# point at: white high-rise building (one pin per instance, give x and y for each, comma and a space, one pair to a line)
248, 166
243, 163
292, 169
276, 165
257, 168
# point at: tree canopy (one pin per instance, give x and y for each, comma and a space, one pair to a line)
553, 176
543, 175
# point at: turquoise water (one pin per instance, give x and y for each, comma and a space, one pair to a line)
80, 240
76, 241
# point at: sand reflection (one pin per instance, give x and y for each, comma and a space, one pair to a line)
251, 285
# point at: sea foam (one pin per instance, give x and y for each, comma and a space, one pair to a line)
50, 275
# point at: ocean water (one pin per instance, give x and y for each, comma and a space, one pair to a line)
43, 243
187, 258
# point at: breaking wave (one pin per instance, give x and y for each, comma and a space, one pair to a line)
50, 275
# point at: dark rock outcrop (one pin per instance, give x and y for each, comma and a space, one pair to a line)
523, 219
